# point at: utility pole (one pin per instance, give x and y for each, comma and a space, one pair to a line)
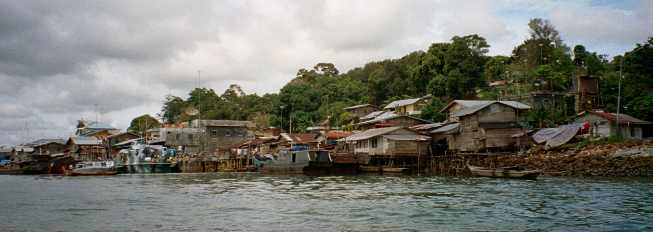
199, 100
199, 114
621, 66
540, 61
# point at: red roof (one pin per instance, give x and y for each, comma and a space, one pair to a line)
334, 134
623, 118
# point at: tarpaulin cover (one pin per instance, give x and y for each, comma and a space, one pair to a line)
555, 137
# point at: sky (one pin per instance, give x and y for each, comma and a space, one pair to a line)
61, 61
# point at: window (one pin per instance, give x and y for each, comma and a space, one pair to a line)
190, 137
374, 142
214, 132
294, 156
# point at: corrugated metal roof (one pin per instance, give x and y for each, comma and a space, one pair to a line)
463, 103
300, 137
371, 133
446, 128
407, 137
403, 102
99, 125
42, 142
426, 126
516, 105
476, 107
337, 134
382, 118
358, 106
86, 140
623, 118
372, 115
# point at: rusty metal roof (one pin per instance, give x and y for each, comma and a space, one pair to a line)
623, 118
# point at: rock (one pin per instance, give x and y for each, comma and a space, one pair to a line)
633, 152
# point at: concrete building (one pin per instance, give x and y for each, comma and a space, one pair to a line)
604, 124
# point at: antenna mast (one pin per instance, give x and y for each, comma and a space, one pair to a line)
199, 101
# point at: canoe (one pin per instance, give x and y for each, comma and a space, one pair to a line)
366, 168
506, 172
393, 170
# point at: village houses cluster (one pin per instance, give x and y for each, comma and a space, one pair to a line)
390, 135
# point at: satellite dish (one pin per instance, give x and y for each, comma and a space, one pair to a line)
191, 111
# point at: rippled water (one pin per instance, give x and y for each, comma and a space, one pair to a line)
227, 202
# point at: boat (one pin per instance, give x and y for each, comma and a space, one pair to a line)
393, 170
323, 163
143, 158
286, 161
505, 172
369, 168
93, 168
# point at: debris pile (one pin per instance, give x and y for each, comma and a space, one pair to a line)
633, 158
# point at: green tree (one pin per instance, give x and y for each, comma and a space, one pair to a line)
173, 109
496, 68
432, 111
141, 124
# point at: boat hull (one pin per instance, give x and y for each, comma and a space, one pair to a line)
93, 172
149, 168
367, 168
394, 170
504, 173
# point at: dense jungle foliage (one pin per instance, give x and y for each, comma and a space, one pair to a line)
456, 69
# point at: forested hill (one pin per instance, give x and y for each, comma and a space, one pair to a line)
456, 69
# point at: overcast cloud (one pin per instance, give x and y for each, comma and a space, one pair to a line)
114, 60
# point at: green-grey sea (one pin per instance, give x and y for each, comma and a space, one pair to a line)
255, 202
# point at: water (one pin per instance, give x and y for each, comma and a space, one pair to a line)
235, 202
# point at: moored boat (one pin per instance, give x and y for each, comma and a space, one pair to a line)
93, 168
369, 168
393, 170
323, 163
284, 162
142, 158
504, 172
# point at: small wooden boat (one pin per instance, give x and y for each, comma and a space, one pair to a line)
93, 168
505, 172
393, 170
367, 168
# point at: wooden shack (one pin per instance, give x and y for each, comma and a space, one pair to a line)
361, 110
481, 126
390, 119
412, 106
388, 141
48, 146
86, 148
